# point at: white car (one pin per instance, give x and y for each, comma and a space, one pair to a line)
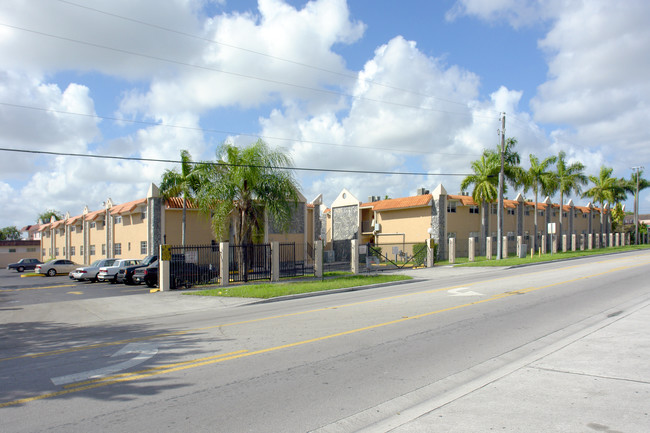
109, 273
90, 272
57, 266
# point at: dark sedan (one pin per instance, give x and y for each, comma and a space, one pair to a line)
125, 275
24, 265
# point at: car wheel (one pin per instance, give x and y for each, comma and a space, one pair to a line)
20, 268
150, 283
51, 272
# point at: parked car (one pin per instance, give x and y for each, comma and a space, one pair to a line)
24, 265
57, 266
148, 275
125, 275
109, 273
90, 273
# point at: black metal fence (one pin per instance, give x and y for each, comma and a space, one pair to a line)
250, 262
194, 264
395, 256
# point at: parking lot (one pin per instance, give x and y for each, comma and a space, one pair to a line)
18, 289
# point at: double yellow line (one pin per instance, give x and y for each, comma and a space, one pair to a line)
169, 368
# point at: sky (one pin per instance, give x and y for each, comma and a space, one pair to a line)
379, 97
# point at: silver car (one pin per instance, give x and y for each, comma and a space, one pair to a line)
90, 273
109, 273
56, 266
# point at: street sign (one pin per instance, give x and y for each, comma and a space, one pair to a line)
551, 228
166, 253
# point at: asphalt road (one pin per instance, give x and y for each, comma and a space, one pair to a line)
18, 289
329, 363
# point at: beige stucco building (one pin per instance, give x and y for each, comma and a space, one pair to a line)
137, 228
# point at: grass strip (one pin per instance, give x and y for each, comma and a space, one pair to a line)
273, 290
514, 261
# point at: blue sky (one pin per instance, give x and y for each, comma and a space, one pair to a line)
429, 80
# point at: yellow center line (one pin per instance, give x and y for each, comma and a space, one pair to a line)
282, 316
142, 374
37, 288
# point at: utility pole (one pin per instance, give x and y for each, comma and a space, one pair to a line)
636, 205
501, 179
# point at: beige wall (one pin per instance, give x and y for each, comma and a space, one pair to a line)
21, 252
76, 240
198, 230
413, 222
129, 234
97, 237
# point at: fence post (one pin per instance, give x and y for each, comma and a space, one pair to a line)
504, 249
488, 248
543, 244
590, 241
520, 242
431, 246
163, 268
224, 265
573, 242
452, 250
611, 240
354, 256
564, 243
275, 261
318, 259
471, 249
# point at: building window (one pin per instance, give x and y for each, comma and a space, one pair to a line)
118, 219
128, 246
64, 251
143, 247
144, 213
81, 250
541, 213
584, 216
493, 209
92, 225
511, 236
92, 250
473, 209
72, 229
527, 212
31, 250
56, 251
510, 211
118, 249
81, 228
451, 207
43, 252
103, 249
72, 251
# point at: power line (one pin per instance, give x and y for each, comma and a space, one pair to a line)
217, 131
213, 41
236, 74
225, 164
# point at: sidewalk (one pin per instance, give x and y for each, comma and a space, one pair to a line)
595, 381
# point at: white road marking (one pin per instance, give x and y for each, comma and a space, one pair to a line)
144, 352
463, 291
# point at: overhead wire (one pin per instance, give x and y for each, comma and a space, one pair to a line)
225, 164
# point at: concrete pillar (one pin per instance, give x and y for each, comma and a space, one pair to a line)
554, 244
488, 248
519, 243
573, 242
164, 255
452, 250
504, 249
617, 239
583, 242
275, 261
590, 240
224, 266
564, 243
543, 244
318, 259
611, 240
354, 256
471, 249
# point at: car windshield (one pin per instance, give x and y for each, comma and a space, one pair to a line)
95, 263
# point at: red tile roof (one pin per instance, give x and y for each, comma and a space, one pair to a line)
127, 207
177, 203
400, 203
92, 216
73, 220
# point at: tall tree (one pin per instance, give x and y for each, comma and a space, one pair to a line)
485, 184
244, 184
569, 178
634, 186
184, 183
605, 189
10, 233
539, 178
511, 162
47, 215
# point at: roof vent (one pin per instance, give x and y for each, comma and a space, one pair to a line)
422, 191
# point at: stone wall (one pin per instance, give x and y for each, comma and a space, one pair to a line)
345, 223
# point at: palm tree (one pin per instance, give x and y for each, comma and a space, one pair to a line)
186, 183
485, 187
569, 178
539, 178
635, 185
605, 189
243, 185
511, 162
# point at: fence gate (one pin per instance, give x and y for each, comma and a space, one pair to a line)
250, 262
396, 256
194, 264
